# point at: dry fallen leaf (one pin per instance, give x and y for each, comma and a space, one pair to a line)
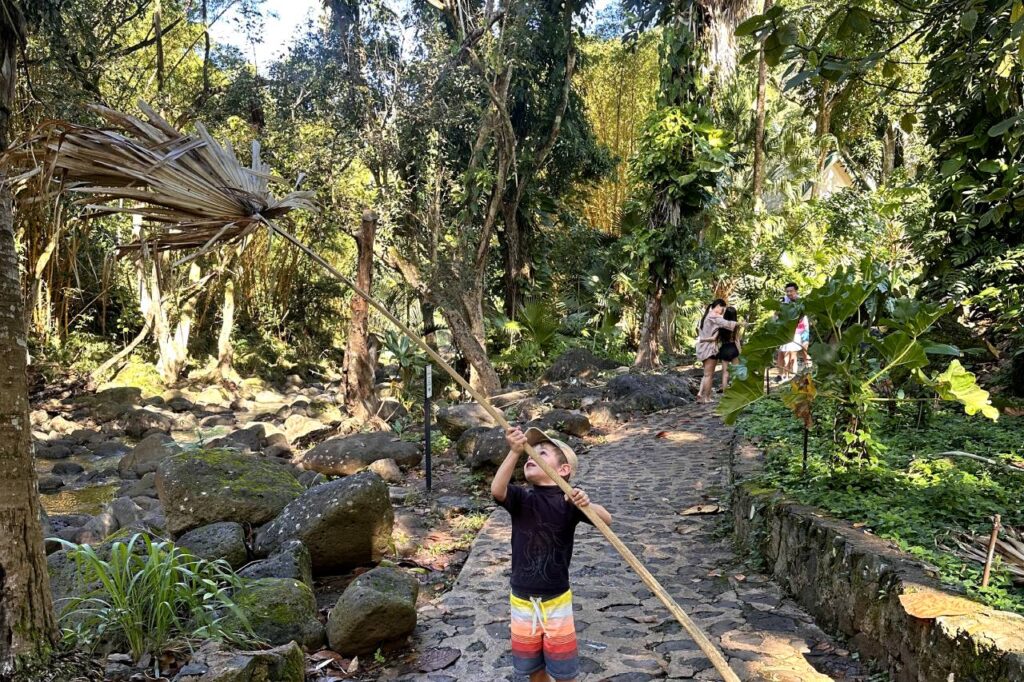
438, 658
740, 577
701, 509
353, 666
859, 524
661, 434
929, 604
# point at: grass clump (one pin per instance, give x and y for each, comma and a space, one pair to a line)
148, 597
905, 493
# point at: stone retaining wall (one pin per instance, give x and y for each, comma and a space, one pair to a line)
852, 583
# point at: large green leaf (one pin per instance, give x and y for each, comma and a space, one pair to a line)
957, 384
759, 348
914, 317
899, 349
738, 396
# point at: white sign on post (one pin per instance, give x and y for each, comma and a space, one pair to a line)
430, 384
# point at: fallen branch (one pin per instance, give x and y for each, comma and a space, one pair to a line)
976, 458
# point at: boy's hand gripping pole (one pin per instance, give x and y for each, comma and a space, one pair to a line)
706, 646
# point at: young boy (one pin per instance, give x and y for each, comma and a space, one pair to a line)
543, 525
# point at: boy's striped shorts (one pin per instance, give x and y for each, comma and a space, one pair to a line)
544, 636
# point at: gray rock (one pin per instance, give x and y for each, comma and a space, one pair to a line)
291, 560
139, 421
577, 363
102, 525
376, 610
649, 392
564, 421
63, 426
344, 523
310, 479
67, 469
391, 410
252, 438
224, 540
40, 419
280, 610
84, 436
49, 483
348, 454
387, 469
109, 448
179, 404
144, 486
59, 522
213, 662
206, 486
52, 451
299, 427
482, 447
147, 455
126, 512
455, 420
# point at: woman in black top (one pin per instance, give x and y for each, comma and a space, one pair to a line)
729, 350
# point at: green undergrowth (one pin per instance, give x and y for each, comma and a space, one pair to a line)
907, 495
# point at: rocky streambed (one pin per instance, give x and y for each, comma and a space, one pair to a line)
330, 528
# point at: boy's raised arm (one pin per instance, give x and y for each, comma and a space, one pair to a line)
517, 445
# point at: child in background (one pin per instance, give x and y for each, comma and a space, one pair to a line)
729, 350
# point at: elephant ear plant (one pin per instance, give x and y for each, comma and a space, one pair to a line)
870, 349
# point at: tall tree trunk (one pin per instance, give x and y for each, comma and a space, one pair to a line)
822, 127
513, 243
206, 52
468, 338
28, 628
359, 396
225, 351
759, 115
888, 151
668, 330
173, 344
647, 354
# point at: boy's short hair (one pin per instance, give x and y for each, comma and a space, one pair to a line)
535, 436
791, 284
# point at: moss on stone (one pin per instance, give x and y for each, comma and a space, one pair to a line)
138, 374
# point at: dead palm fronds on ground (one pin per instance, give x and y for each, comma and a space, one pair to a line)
191, 191
1009, 549
196, 196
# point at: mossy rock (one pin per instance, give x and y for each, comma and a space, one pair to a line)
280, 610
327, 413
140, 375
376, 610
215, 662
344, 523
201, 487
224, 540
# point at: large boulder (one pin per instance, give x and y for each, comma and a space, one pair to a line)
482, 447
206, 486
224, 540
577, 363
564, 421
280, 610
299, 427
291, 560
147, 455
376, 610
649, 392
346, 455
139, 421
214, 662
457, 419
344, 523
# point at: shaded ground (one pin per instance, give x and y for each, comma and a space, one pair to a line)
646, 473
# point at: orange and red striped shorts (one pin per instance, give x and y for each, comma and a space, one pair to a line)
544, 636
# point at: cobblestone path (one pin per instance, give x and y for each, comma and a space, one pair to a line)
645, 473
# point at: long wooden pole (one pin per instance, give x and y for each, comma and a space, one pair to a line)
705, 644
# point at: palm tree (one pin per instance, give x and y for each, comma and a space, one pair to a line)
28, 628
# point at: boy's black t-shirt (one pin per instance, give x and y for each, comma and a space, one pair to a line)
543, 530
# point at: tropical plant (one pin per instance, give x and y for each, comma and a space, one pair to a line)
870, 342
150, 596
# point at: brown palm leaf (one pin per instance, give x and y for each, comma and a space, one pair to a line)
192, 190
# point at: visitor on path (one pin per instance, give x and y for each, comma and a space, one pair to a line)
787, 355
543, 528
729, 346
708, 345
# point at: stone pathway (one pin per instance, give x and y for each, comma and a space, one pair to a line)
645, 474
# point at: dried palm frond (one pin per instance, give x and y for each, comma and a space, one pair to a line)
1009, 548
193, 192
